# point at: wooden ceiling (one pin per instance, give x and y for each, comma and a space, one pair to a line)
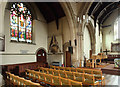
50, 10
101, 10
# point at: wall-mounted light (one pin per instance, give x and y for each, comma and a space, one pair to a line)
83, 16
78, 19
89, 18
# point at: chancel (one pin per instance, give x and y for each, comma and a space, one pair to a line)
62, 43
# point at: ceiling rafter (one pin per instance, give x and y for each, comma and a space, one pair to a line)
100, 11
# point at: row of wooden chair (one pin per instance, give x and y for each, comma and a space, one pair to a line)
81, 70
17, 81
50, 79
97, 76
96, 72
81, 77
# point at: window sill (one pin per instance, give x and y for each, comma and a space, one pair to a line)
22, 42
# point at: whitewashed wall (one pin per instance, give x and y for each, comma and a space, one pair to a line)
62, 35
87, 43
108, 32
13, 51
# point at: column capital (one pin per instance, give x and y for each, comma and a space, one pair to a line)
79, 33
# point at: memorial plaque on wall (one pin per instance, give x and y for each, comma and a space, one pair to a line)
2, 43
115, 47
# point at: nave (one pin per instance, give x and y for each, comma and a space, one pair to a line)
76, 42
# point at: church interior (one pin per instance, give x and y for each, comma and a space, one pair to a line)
62, 43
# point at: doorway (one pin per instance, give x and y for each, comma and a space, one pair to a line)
68, 59
41, 56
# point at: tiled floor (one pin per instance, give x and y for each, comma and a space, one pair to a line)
112, 80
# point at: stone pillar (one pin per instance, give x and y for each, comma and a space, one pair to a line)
80, 46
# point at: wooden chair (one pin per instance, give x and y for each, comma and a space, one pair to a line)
45, 70
56, 80
16, 81
90, 80
75, 83
62, 68
88, 71
28, 83
21, 81
37, 76
65, 82
50, 71
80, 70
40, 69
62, 74
48, 78
56, 73
88, 63
73, 69
98, 76
27, 73
11, 79
57, 67
7, 82
67, 68
78, 76
32, 75
41, 77
52, 67
70, 75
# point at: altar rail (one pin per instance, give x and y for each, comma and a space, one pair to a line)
19, 69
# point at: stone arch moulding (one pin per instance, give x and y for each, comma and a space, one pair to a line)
91, 30
29, 6
68, 12
40, 49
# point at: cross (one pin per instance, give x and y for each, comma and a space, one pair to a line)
106, 51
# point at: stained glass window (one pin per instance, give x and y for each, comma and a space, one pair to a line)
21, 23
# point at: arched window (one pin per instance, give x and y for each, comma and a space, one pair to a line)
117, 29
20, 23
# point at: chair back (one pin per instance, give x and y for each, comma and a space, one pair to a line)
48, 78
73, 69
64, 82
62, 74
75, 83
67, 68
80, 70
41, 69
70, 75
52, 67
89, 79
62, 68
56, 80
78, 76
56, 73
45, 70
57, 67
50, 71
97, 74
88, 71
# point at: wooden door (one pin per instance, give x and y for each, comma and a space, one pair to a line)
41, 56
68, 59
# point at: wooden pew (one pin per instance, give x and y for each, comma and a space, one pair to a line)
19, 69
